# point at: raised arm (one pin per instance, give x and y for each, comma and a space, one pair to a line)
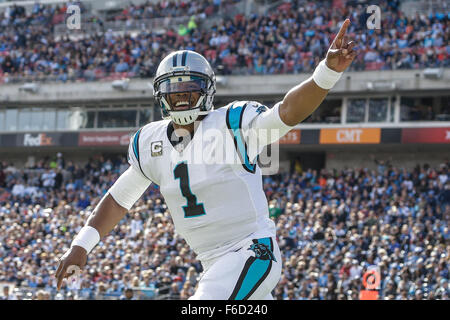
304, 98
271, 124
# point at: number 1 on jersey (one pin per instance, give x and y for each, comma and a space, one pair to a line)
192, 209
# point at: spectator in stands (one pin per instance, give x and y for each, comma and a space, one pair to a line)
7, 295
128, 294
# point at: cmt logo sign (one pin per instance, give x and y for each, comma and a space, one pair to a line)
350, 136
39, 140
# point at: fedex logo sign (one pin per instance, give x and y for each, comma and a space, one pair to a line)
36, 141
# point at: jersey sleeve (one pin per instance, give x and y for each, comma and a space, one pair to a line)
130, 186
254, 126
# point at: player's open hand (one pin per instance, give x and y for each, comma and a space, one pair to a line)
341, 54
75, 256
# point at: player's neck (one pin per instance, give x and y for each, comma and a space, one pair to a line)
181, 130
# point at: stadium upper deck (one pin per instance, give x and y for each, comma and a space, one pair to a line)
396, 94
290, 39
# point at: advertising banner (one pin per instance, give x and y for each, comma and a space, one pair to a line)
41, 139
426, 135
292, 137
103, 139
350, 136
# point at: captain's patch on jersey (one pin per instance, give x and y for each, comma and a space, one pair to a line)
156, 148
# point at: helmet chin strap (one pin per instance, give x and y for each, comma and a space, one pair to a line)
185, 117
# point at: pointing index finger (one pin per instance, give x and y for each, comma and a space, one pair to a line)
343, 28
342, 32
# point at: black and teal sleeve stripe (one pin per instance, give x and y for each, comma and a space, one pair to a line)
234, 124
135, 148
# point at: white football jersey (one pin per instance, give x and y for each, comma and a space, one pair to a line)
212, 188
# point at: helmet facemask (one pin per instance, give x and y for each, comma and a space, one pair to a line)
175, 93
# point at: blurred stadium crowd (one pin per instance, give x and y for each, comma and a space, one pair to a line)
332, 226
291, 38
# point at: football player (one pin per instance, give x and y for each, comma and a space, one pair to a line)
218, 207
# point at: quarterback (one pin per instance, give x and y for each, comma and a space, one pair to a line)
219, 208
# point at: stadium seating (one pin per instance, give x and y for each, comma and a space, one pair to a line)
331, 227
424, 44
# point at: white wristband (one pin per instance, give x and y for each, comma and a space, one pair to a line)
324, 77
87, 238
